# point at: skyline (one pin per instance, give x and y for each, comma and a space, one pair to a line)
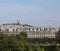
34, 12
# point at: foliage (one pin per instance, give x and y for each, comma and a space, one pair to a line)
20, 42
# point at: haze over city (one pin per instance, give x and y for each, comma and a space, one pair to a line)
33, 12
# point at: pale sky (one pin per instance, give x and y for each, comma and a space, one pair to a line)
33, 12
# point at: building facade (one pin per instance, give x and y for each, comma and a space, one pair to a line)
40, 32
32, 32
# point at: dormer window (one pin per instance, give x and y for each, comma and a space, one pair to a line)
37, 29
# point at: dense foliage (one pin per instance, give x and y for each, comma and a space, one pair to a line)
20, 42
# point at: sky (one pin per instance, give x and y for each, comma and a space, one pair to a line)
33, 12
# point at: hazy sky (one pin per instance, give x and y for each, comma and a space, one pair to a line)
34, 12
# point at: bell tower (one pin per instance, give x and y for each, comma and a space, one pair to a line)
19, 21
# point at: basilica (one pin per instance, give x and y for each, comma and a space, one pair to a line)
32, 31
